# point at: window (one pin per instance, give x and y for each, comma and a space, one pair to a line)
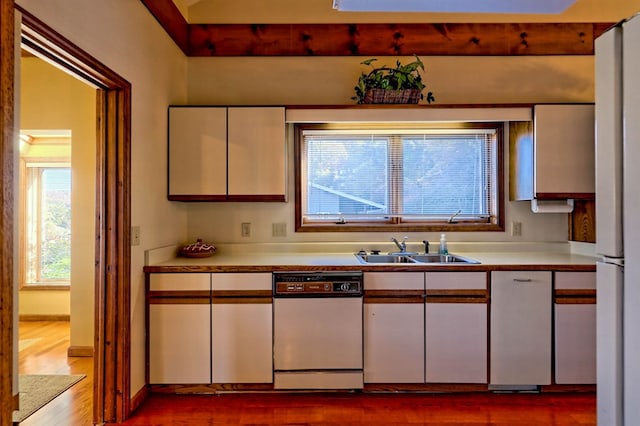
45, 209
414, 179
48, 224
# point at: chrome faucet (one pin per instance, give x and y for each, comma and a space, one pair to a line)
402, 246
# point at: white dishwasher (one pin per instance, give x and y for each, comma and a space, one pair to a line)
317, 330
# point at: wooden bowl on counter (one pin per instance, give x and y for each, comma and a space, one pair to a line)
198, 249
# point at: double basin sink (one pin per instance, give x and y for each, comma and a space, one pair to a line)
413, 258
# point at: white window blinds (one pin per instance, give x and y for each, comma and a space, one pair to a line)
407, 174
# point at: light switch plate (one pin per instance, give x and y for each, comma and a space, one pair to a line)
246, 229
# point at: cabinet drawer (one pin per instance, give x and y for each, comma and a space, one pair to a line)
394, 281
455, 280
575, 280
180, 282
235, 282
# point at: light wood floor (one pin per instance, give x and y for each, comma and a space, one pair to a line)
45, 352
73, 407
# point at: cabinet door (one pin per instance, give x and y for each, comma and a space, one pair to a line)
394, 343
242, 339
564, 138
575, 353
178, 329
257, 153
575, 327
394, 327
179, 343
197, 153
241, 328
520, 328
456, 327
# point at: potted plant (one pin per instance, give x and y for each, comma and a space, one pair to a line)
402, 84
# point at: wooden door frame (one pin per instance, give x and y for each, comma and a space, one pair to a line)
8, 395
111, 399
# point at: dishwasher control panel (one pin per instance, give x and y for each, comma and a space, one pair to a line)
327, 284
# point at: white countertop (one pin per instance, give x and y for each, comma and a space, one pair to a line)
331, 255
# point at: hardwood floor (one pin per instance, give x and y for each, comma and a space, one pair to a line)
367, 409
45, 345
47, 355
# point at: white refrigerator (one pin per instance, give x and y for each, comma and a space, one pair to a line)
617, 93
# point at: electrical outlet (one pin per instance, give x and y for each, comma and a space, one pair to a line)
516, 229
135, 235
279, 229
246, 229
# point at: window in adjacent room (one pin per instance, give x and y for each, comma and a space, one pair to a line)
45, 193
429, 178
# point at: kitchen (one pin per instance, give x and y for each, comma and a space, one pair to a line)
543, 79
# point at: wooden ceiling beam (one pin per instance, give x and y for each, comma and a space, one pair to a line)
169, 17
393, 39
436, 39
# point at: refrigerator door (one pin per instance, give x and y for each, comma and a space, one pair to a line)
609, 357
608, 93
631, 196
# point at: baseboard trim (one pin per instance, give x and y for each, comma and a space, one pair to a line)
85, 351
138, 399
37, 317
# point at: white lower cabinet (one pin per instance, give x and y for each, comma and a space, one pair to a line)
521, 326
456, 327
394, 327
241, 328
441, 341
210, 328
179, 338
575, 328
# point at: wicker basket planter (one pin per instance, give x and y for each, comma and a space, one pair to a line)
387, 96
401, 84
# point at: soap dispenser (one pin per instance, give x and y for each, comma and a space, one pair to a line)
443, 245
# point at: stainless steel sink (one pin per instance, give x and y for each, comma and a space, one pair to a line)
414, 259
384, 258
442, 258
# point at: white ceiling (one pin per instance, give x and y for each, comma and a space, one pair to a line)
456, 6
322, 12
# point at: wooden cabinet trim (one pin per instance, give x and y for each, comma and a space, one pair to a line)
575, 301
179, 293
574, 296
457, 299
242, 293
393, 293
460, 293
574, 293
245, 300
179, 301
394, 299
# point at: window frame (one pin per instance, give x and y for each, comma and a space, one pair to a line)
394, 223
25, 165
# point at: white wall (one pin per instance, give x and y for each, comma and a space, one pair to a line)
221, 222
330, 81
124, 36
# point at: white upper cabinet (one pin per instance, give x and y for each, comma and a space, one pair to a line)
554, 157
256, 145
197, 152
227, 153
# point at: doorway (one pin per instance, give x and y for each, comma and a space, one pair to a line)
111, 395
56, 190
